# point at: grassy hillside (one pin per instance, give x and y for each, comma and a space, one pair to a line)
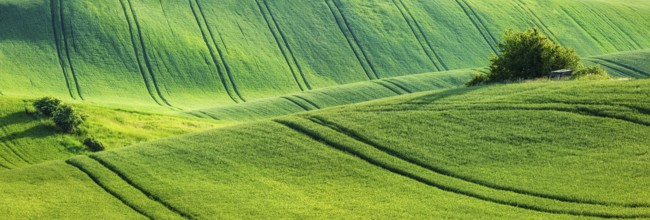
199, 54
632, 64
542, 149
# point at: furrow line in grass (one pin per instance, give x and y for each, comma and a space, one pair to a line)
642, 73
146, 56
146, 80
611, 24
67, 49
297, 103
308, 101
419, 35
538, 22
57, 43
615, 67
477, 26
95, 179
359, 137
354, 37
229, 78
353, 47
154, 197
398, 85
280, 45
480, 20
12, 146
576, 22
382, 83
403, 168
220, 74
286, 42
209, 115
7, 163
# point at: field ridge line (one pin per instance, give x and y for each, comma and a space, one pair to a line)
220, 74
106, 189
354, 37
409, 20
57, 44
276, 36
427, 181
11, 147
621, 69
146, 55
355, 135
229, 78
477, 26
154, 197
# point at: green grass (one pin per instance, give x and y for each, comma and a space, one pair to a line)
539, 149
201, 54
631, 64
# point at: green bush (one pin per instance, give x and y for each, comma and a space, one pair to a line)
590, 73
67, 119
527, 55
93, 144
478, 79
47, 105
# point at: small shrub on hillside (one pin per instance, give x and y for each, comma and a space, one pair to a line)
528, 55
478, 79
93, 144
47, 105
590, 73
67, 119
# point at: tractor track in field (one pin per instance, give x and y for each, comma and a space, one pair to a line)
220, 73
304, 107
479, 26
577, 23
426, 39
382, 83
67, 49
399, 86
137, 55
357, 136
116, 195
611, 24
286, 42
152, 196
281, 41
11, 145
230, 78
353, 40
308, 101
145, 56
538, 22
411, 175
419, 35
635, 70
57, 43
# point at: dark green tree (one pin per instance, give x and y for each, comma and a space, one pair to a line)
527, 55
47, 105
67, 119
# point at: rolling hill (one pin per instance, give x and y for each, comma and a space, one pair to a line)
199, 54
423, 155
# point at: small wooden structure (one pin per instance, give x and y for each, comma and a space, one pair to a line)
559, 74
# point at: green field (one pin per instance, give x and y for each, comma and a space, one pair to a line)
320, 109
428, 154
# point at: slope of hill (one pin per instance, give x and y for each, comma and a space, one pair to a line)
503, 151
199, 54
